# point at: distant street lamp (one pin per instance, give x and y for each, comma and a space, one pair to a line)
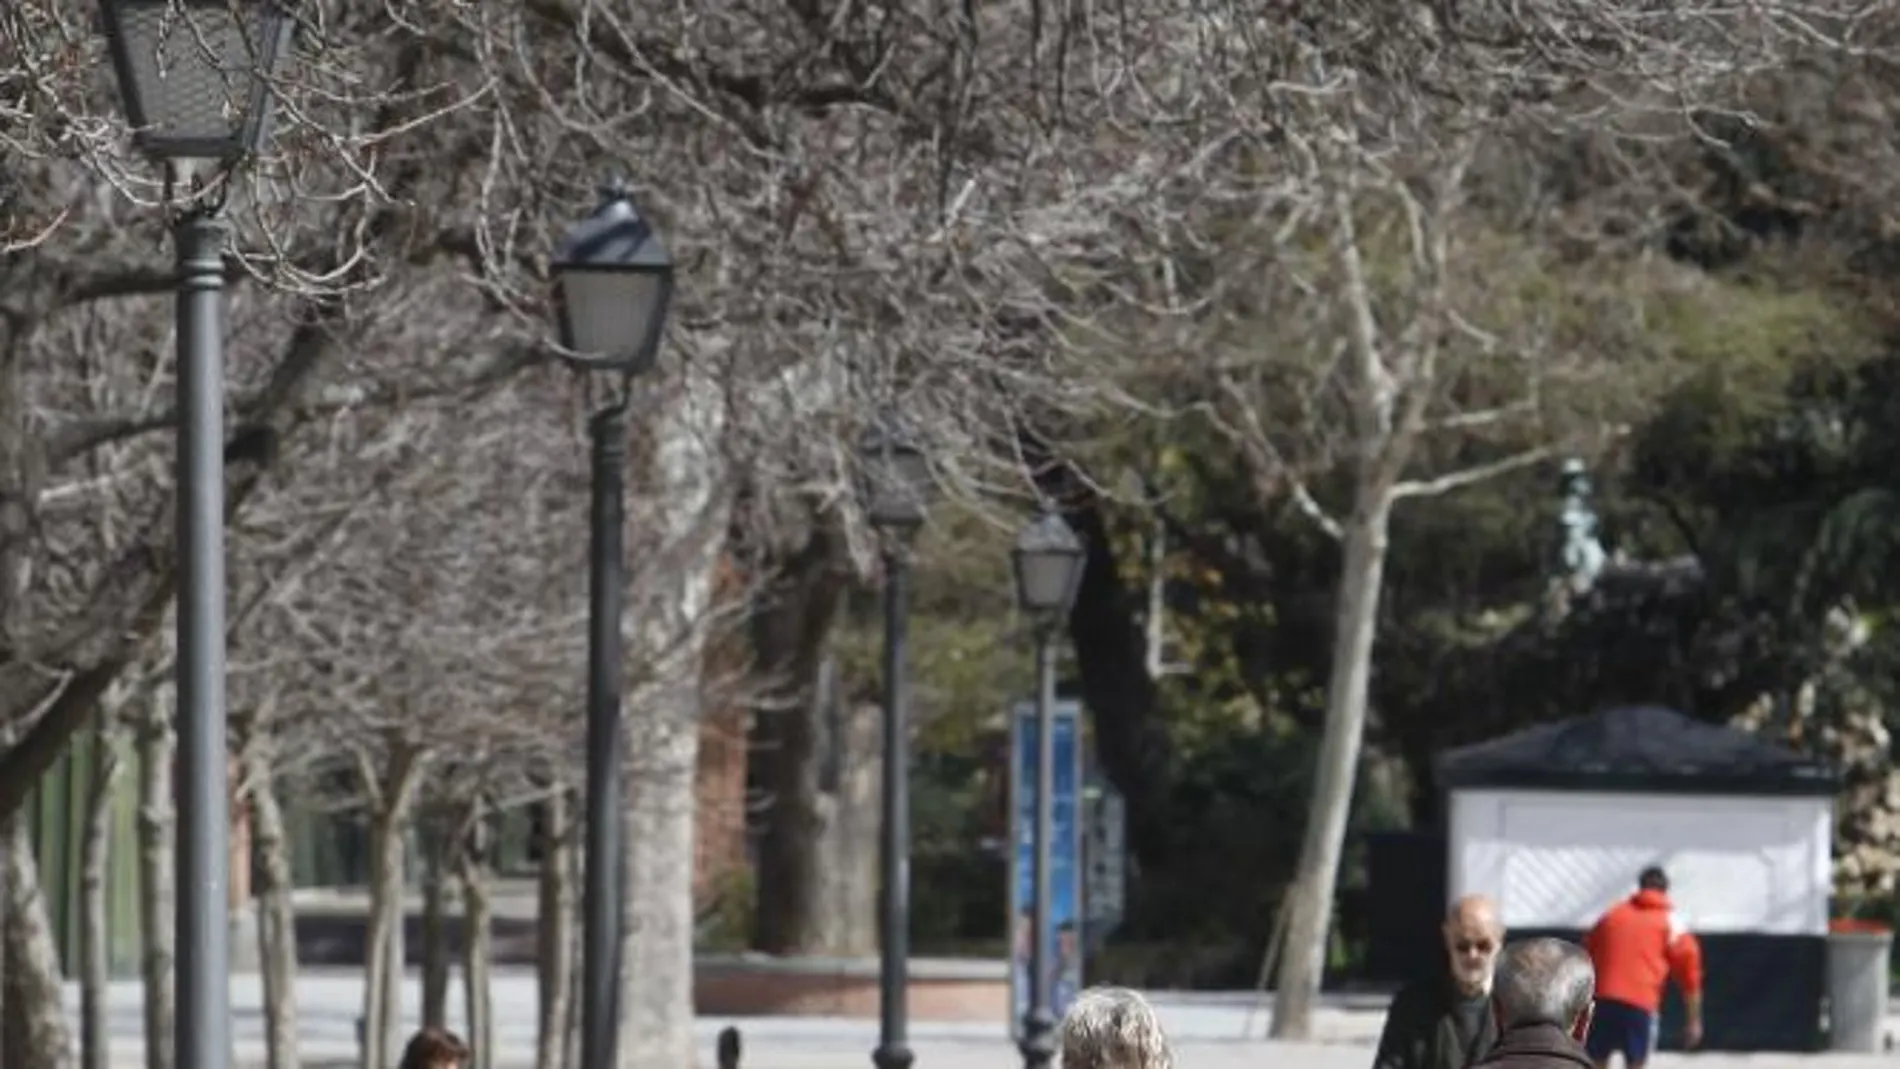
1048, 561
613, 281
896, 488
195, 79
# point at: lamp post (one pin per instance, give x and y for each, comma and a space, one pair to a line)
195, 78
896, 491
1048, 561
613, 280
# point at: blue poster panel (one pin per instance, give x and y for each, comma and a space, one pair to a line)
1064, 940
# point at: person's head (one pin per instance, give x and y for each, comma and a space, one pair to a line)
435, 1048
1473, 935
1112, 1028
1065, 938
1545, 981
1653, 878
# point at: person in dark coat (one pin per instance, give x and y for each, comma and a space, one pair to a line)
1445, 1021
1543, 998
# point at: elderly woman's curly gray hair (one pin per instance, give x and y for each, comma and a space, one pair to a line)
1113, 1028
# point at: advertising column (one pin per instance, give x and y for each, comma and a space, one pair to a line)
1065, 855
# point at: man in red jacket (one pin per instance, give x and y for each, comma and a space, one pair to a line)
1637, 947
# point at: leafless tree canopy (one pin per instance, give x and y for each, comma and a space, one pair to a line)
1013, 218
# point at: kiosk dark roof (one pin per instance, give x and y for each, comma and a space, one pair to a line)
1636, 748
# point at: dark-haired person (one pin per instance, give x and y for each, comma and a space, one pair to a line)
1637, 948
435, 1048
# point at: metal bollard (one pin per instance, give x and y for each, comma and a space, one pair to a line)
728, 1049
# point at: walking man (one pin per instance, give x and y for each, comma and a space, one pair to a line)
1542, 1001
1638, 946
1445, 1022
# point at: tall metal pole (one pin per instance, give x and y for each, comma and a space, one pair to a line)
1039, 1040
893, 1038
202, 1037
602, 907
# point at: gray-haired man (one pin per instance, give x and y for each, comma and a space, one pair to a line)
1542, 997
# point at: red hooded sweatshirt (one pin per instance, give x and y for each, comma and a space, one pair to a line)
1638, 945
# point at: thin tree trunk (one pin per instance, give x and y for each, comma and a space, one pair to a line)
157, 873
276, 916
95, 964
435, 936
554, 934
851, 847
8, 1029
571, 1037
383, 958
38, 1034
478, 945
1355, 625
571, 860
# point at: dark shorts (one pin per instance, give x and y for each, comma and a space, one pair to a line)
1618, 1027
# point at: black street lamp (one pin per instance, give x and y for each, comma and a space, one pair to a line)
1048, 560
896, 490
195, 78
613, 280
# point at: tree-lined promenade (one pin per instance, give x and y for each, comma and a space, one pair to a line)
1290, 315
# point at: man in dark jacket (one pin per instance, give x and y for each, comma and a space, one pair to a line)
1445, 1021
1543, 997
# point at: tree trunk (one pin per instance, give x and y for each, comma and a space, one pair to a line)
690, 491
435, 919
157, 873
95, 963
478, 947
1310, 906
571, 1034
8, 1029
1131, 736
851, 843
554, 932
276, 916
383, 955
37, 1032
656, 1021
816, 880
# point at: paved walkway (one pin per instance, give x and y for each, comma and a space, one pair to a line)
1210, 1031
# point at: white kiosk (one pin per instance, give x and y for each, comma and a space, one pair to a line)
1556, 821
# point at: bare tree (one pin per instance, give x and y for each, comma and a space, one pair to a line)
689, 489
478, 946
806, 875
554, 929
276, 916
158, 888
436, 875
95, 962
38, 1032
1336, 264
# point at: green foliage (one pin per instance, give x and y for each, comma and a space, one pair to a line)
958, 884
1766, 364
965, 672
725, 924
1758, 416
